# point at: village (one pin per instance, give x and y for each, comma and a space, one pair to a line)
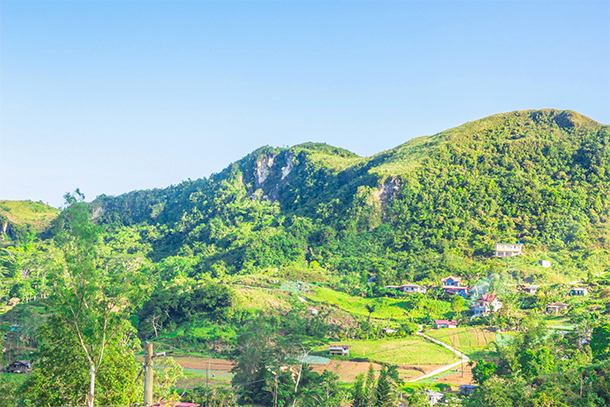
482, 303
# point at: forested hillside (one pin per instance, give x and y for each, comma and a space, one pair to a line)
289, 250
19, 217
433, 204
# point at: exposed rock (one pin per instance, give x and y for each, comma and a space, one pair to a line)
263, 165
388, 190
288, 168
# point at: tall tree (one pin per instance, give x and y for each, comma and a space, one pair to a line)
92, 296
369, 386
358, 392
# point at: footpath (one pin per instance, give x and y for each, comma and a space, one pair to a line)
463, 358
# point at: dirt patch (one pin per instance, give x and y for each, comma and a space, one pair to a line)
199, 363
348, 370
456, 378
220, 370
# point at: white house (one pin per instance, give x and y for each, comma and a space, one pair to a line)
485, 305
433, 396
408, 288
508, 249
531, 289
545, 263
339, 350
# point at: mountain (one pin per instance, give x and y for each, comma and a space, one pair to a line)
541, 177
19, 217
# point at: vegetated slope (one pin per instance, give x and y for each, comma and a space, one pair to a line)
541, 177
18, 217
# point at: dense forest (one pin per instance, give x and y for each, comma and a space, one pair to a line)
539, 177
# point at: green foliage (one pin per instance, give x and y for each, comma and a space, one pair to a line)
60, 375
432, 206
600, 340
88, 330
210, 396
483, 370
184, 300
17, 218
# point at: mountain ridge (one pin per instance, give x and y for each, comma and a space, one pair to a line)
540, 176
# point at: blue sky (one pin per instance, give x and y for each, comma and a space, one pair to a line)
113, 96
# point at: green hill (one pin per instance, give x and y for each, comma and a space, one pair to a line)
432, 205
18, 217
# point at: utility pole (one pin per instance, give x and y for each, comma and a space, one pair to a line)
275, 393
148, 375
207, 374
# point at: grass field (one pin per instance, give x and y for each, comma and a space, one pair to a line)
473, 341
37, 214
259, 299
411, 350
385, 308
558, 322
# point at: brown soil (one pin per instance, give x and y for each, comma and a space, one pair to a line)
194, 362
456, 378
346, 370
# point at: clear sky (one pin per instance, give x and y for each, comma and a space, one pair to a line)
113, 96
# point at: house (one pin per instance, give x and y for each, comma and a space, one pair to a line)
556, 307
579, 291
443, 323
508, 249
408, 288
20, 366
467, 389
389, 330
451, 281
545, 263
433, 396
312, 311
485, 305
339, 350
531, 289
461, 291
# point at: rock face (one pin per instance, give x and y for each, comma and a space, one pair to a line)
288, 168
389, 189
263, 166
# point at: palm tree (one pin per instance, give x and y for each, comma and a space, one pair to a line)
370, 309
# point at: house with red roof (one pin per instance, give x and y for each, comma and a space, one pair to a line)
485, 305
556, 307
443, 323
